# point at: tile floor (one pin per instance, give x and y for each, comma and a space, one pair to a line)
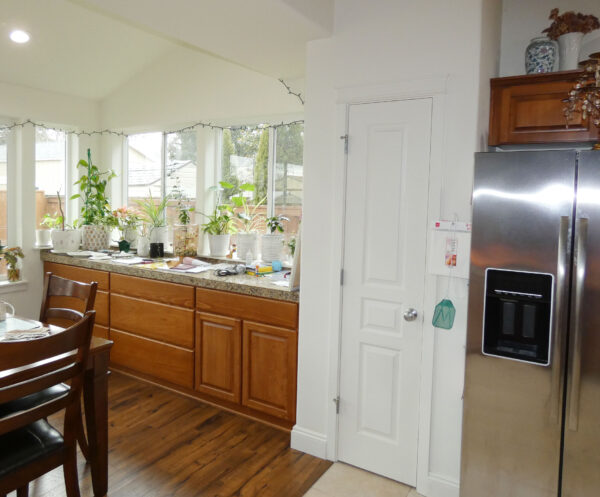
342, 480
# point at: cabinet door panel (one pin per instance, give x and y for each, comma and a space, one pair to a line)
162, 322
79, 274
219, 356
269, 369
166, 362
156, 291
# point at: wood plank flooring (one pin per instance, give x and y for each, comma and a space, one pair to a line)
162, 444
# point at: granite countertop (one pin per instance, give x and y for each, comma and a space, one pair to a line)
243, 283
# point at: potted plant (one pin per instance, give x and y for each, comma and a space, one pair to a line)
220, 224
272, 242
568, 29
12, 256
185, 234
127, 221
248, 221
96, 216
153, 214
63, 237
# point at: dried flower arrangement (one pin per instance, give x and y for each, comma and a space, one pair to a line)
570, 22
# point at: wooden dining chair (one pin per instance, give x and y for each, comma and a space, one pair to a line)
73, 297
29, 445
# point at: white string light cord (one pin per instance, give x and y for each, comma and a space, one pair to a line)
191, 127
290, 92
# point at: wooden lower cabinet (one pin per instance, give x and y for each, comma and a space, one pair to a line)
219, 356
269, 369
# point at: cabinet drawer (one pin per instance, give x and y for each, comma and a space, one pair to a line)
157, 291
100, 306
219, 356
166, 362
100, 331
269, 311
79, 274
162, 322
269, 369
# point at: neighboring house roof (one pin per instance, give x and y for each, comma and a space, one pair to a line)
141, 175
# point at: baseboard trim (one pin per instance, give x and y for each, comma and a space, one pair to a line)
439, 486
309, 441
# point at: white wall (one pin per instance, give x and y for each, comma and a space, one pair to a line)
524, 20
18, 104
386, 41
186, 86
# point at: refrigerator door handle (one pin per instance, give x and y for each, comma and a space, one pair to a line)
558, 335
579, 268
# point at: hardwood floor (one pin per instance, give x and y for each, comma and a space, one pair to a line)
162, 444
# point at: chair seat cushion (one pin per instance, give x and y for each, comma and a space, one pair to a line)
23, 446
35, 399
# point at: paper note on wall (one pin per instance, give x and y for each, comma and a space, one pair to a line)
449, 249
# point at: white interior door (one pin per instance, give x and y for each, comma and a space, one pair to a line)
384, 271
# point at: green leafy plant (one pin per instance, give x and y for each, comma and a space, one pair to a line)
53, 222
275, 223
247, 217
127, 219
184, 206
92, 187
220, 222
12, 256
292, 245
152, 212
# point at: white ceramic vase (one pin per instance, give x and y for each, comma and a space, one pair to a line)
95, 237
66, 241
143, 246
569, 46
160, 234
43, 238
130, 235
247, 243
219, 244
272, 247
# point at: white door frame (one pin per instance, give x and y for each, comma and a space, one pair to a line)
434, 88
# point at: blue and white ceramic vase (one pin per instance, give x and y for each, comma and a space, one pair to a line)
540, 55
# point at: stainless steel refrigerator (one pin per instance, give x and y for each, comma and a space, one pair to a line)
531, 422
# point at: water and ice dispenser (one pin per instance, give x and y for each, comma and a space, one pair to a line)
518, 315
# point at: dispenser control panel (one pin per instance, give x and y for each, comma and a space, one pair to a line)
517, 315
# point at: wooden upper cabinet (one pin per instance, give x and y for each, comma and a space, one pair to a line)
529, 109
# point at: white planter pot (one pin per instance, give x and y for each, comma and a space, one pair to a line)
160, 235
569, 46
247, 243
219, 244
131, 235
143, 246
272, 247
42, 238
95, 237
65, 241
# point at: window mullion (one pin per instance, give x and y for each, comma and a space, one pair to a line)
163, 171
272, 160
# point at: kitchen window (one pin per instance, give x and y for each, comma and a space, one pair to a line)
3, 195
50, 173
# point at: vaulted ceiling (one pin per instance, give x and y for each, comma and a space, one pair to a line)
89, 48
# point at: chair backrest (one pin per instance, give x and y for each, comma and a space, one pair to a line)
30, 366
65, 301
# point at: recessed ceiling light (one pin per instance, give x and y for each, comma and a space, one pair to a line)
19, 36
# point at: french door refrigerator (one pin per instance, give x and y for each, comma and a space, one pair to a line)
531, 422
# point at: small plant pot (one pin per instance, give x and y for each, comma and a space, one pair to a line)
159, 234
124, 246
95, 237
219, 244
42, 238
143, 246
247, 243
14, 274
66, 241
185, 240
272, 247
157, 250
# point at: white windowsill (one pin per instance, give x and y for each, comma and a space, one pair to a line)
10, 287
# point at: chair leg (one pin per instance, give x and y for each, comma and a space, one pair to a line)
81, 439
23, 491
70, 471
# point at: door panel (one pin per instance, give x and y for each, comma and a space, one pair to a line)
581, 477
384, 271
522, 202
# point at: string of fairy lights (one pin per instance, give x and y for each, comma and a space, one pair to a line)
191, 127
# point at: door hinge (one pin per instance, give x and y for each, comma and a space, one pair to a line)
337, 404
345, 138
341, 277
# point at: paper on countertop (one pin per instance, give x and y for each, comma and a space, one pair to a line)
130, 260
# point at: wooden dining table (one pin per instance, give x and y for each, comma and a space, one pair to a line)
95, 404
